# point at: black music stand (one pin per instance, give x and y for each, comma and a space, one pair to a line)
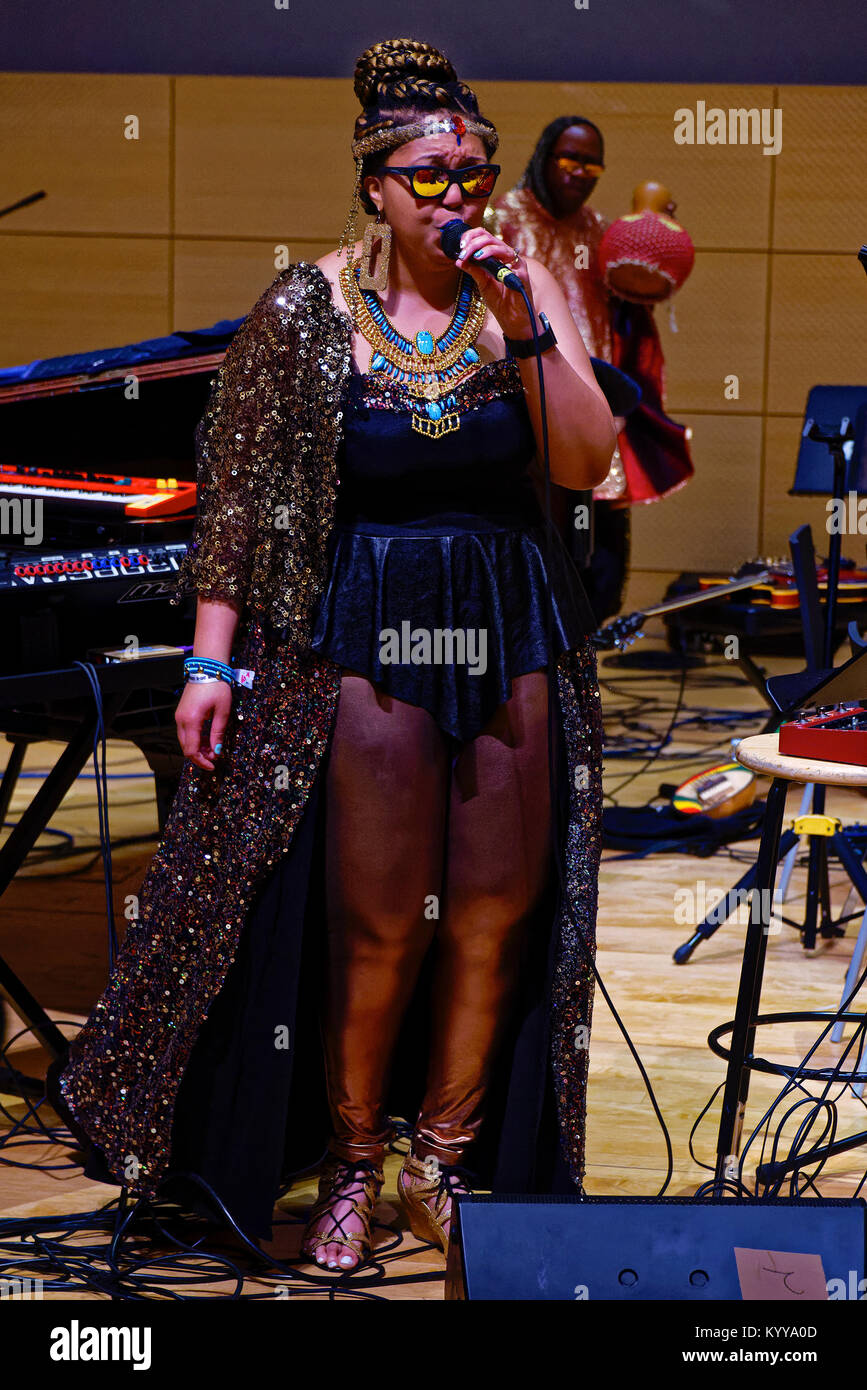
830, 462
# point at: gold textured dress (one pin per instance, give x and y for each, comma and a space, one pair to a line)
560, 243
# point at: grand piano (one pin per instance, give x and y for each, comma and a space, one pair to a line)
97, 503
97, 495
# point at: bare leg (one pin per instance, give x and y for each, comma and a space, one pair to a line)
498, 863
386, 808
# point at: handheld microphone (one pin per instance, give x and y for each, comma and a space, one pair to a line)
450, 240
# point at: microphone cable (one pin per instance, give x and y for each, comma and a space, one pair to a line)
553, 779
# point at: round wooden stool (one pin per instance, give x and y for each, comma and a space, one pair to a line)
761, 754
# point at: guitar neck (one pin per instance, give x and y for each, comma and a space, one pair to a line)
706, 595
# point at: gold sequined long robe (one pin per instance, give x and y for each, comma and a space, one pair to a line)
521, 220
266, 451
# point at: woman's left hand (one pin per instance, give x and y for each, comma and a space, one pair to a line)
505, 304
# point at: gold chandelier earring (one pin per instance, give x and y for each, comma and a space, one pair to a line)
378, 231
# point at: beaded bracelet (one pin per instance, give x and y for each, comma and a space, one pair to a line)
207, 666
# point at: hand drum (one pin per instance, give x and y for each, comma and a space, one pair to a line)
645, 256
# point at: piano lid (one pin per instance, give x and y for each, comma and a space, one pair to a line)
123, 410
82, 367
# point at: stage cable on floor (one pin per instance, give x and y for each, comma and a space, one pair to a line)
772, 1125
109, 1250
610, 796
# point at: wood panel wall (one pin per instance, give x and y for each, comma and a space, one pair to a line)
180, 227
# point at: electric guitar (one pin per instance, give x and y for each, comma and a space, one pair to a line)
623, 631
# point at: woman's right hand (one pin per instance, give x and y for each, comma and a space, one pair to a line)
200, 702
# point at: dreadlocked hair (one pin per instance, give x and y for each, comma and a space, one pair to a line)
533, 176
399, 81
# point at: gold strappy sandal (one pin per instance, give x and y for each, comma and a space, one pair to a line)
357, 1182
427, 1222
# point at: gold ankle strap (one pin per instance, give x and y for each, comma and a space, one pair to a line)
371, 1170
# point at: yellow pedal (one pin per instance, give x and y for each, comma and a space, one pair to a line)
816, 825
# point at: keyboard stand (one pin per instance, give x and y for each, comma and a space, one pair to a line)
116, 682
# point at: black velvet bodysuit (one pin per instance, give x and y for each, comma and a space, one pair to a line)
444, 536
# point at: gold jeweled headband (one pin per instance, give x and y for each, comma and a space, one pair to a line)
393, 135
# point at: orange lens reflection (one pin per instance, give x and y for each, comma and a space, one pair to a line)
428, 183
569, 165
432, 183
480, 184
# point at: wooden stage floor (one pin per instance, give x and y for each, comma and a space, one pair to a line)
54, 938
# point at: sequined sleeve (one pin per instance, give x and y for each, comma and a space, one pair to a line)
238, 442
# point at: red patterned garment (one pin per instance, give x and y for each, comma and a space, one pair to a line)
562, 245
653, 457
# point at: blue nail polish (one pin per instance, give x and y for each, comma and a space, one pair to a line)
218, 747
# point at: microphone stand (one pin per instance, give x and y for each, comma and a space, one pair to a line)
818, 852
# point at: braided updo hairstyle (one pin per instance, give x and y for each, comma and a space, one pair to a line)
399, 81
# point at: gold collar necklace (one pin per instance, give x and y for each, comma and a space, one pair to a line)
429, 368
